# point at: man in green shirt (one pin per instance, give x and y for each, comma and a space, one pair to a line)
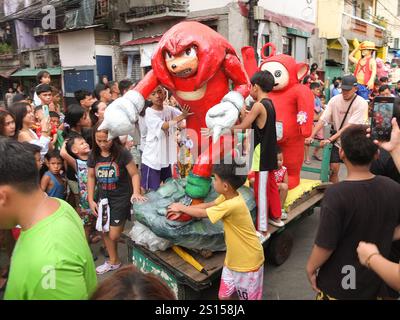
51, 259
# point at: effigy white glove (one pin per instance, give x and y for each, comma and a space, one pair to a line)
225, 114
121, 115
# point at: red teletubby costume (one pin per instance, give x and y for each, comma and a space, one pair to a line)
196, 64
294, 105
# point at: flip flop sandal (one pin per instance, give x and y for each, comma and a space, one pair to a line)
316, 158
95, 239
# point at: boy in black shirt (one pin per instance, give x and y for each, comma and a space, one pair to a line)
364, 207
261, 119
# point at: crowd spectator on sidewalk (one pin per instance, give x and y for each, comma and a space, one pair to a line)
97, 112
85, 99
383, 81
76, 123
7, 124
336, 90
370, 253
7, 130
104, 80
335, 87
24, 123
128, 283
44, 93
43, 77
102, 93
20, 89
60, 265
384, 91
342, 111
114, 90
53, 181
8, 97
111, 168
124, 86
316, 90
363, 207
314, 75
76, 153
56, 103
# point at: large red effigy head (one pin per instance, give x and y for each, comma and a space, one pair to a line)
286, 71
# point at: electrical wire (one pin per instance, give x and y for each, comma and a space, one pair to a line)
38, 10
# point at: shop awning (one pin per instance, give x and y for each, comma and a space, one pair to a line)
139, 41
6, 73
28, 72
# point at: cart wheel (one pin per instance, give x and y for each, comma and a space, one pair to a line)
187, 293
280, 248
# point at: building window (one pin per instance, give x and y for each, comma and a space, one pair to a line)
102, 8
354, 8
266, 40
287, 47
396, 43
398, 7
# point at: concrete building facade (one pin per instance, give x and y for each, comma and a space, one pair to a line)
276, 22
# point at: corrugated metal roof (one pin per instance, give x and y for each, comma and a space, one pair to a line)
144, 40
29, 72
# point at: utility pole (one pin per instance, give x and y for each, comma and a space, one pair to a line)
252, 24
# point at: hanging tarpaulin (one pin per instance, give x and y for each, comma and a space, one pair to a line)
146, 52
82, 16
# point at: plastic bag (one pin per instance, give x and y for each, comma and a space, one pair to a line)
194, 234
144, 237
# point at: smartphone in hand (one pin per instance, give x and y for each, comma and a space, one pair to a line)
382, 115
46, 112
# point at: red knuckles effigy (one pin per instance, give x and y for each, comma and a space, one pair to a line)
196, 63
294, 104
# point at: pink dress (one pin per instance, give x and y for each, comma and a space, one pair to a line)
280, 174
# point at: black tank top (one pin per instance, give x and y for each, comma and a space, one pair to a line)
266, 137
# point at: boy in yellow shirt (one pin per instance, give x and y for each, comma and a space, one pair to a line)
244, 262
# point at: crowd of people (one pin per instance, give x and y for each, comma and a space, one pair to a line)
76, 163
59, 172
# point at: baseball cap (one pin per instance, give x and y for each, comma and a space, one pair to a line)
349, 82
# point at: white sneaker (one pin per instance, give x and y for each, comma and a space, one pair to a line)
279, 224
262, 237
284, 215
106, 267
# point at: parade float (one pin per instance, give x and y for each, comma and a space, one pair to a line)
199, 67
